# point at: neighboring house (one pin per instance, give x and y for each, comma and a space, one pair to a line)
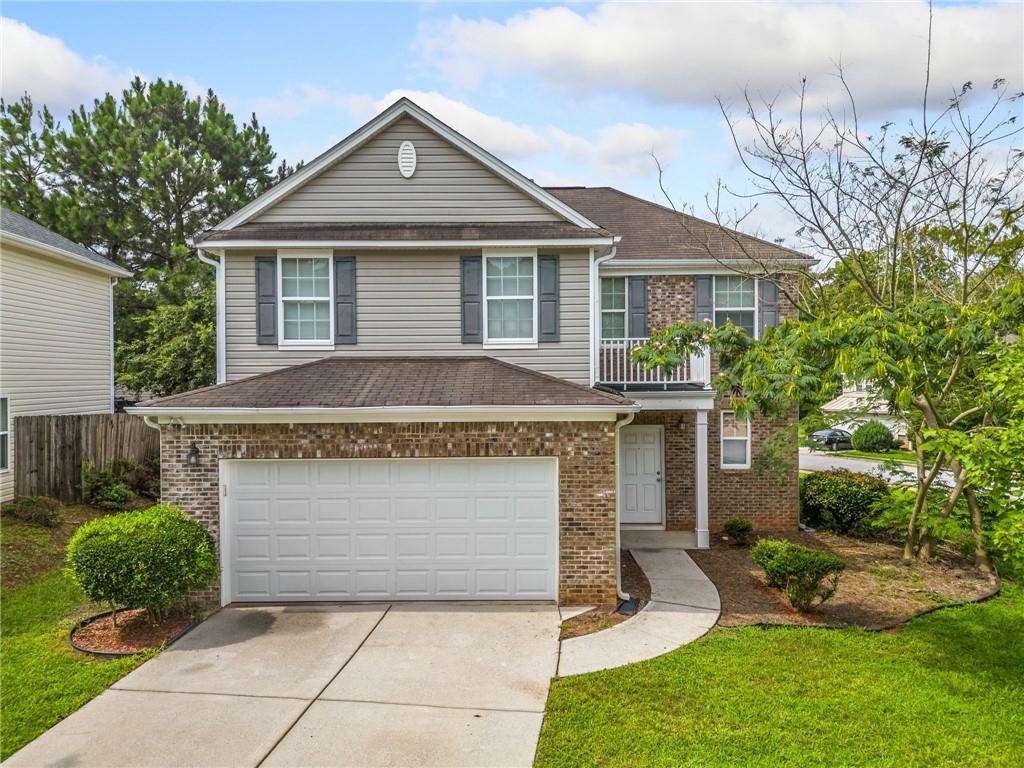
56, 330
425, 385
856, 405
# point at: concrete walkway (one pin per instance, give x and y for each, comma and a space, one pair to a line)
684, 606
355, 685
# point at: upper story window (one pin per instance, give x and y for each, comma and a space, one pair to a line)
613, 307
734, 300
5, 435
510, 296
305, 293
735, 441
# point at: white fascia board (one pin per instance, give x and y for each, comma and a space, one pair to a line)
696, 266
170, 414
59, 253
362, 245
703, 400
400, 108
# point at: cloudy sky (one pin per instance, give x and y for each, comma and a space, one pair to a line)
577, 93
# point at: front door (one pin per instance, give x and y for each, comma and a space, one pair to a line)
640, 480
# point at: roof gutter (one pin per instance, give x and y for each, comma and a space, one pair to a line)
50, 250
400, 413
569, 242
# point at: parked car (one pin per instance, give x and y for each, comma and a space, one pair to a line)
833, 439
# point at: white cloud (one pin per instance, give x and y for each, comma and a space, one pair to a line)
49, 71
507, 140
300, 100
623, 149
690, 53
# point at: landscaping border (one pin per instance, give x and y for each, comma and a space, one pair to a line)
886, 627
120, 654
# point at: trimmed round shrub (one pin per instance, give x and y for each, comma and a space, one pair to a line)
807, 577
841, 501
149, 559
739, 529
38, 510
873, 437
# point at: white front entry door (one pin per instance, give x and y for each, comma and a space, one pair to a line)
640, 475
389, 529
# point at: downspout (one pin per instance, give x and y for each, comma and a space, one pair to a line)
148, 421
618, 546
595, 314
219, 266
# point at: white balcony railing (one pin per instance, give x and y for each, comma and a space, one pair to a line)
617, 369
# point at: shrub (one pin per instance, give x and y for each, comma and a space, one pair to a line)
143, 479
738, 529
149, 559
38, 510
841, 501
806, 576
874, 437
101, 488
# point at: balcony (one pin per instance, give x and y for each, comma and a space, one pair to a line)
615, 369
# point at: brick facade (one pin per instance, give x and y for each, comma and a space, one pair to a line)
586, 474
768, 500
669, 300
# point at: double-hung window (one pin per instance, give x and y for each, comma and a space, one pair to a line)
510, 295
305, 310
613, 308
735, 301
5, 435
735, 441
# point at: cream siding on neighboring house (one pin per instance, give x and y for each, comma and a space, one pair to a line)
54, 340
366, 186
408, 304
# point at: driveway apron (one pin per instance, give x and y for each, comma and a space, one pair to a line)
360, 685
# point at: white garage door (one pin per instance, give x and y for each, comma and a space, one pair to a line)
403, 529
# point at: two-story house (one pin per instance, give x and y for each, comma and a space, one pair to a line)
56, 330
425, 386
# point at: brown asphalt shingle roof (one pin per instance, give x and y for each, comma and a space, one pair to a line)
652, 231
373, 382
540, 230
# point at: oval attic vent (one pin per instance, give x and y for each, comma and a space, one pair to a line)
407, 159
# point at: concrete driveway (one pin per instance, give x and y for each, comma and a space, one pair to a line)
367, 685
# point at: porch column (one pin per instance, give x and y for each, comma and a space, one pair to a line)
701, 471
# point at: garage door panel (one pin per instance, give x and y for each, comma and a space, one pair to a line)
391, 529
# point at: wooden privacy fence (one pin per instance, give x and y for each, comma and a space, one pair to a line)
49, 450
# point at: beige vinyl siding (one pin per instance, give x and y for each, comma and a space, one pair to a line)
54, 340
448, 186
408, 304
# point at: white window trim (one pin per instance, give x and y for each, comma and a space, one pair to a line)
721, 443
624, 311
524, 343
10, 446
307, 344
714, 304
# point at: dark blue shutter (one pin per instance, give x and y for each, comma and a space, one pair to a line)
344, 299
547, 298
266, 299
767, 304
704, 297
472, 282
636, 303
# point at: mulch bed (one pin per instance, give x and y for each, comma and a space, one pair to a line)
876, 590
133, 633
634, 583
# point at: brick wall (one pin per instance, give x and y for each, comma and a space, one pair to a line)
770, 502
669, 300
586, 462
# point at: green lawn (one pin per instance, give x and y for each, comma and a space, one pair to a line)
947, 689
906, 457
43, 679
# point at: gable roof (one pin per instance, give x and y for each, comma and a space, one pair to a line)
395, 382
653, 232
404, 107
27, 233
